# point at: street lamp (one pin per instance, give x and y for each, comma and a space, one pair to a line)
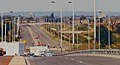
53, 2
10, 30
88, 35
99, 16
61, 23
2, 24
14, 28
5, 30
69, 2
73, 31
94, 24
2, 27
77, 35
109, 31
18, 22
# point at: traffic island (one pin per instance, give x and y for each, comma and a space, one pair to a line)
17, 60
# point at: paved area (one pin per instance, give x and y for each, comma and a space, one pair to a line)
73, 60
4, 60
17, 60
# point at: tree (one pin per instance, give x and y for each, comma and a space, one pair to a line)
118, 29
52, 16
103, 36
116, 18
83, 17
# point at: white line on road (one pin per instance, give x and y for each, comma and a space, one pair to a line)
44, 34
76, 60
31, 32
27, 62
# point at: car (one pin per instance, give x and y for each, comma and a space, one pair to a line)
30, 54
49, 53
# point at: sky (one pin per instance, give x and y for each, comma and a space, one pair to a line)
46, 5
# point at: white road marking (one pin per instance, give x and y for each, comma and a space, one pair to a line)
75, 60
27, 62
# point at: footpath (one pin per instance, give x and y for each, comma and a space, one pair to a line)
5, 60
18, 60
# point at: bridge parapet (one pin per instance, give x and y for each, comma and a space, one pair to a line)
96, 51
101, 51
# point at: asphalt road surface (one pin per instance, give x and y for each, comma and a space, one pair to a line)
44, 38
36, 31
61, 60
26, 36
73, 60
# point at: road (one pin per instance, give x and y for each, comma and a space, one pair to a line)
26, 36
73, 60
30, 32
59, 60
43, 38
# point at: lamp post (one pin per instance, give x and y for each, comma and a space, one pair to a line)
69, 34
53, 2
61, 23
69, 2
109, 31
2, 24
88, 35
99, 16
10, 30
2, 27
73, 31
18, 22
94, 24
77, 36
14, 28
5, 31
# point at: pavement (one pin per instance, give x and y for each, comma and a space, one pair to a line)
5, 60
17, 60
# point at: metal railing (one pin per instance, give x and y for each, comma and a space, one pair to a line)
101, 51
95, 51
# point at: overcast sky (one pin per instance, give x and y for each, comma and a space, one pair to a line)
45, 5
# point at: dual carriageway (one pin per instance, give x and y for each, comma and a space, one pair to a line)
33, 30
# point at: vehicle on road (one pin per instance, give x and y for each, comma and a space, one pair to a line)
13, 48
49, 53
30, 54
39, 50
2, 52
